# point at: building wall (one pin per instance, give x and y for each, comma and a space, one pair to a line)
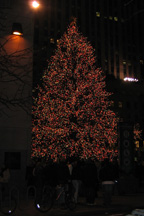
16, 86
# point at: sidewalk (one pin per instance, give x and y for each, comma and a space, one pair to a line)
121, 205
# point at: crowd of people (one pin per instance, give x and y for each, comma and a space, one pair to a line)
85, 176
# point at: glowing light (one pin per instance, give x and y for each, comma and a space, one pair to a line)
35, 4
129, 79
71, 113
17, 29
17, 33
38, 206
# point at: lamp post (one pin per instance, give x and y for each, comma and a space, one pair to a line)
17, 27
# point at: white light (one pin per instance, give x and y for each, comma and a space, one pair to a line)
38, 206
129, 79
35, 4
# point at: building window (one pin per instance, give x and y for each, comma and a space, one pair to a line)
52, 40
137, 144
98, 14
115, 19
58, 41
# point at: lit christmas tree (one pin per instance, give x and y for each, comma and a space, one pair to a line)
71, 115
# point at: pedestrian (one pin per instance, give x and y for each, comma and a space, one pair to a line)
4, 180
98, 167
39, 178
90, 181
63, 176
107, 177
76, 178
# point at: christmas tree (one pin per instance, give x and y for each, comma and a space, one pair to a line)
71, 114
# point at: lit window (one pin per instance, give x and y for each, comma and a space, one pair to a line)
52, 40
110, 17
137, 144
115, 19
98, 14
124, 62
58, 41
120, 104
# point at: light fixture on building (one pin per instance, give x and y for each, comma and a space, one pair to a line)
17, 29
130, 79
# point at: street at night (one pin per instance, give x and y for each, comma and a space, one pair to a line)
121, 206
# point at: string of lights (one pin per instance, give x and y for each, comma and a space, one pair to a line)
71, 114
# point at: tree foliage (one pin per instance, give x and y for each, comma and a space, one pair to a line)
71, 114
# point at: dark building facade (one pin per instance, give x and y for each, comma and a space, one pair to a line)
114, 28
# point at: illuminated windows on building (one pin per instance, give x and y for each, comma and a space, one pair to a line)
58, 41
115, 19
137, 144
52, 40
98, 14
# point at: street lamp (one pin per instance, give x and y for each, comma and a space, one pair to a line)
17, 29
35, 4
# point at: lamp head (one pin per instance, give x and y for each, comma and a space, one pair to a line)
17, 29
